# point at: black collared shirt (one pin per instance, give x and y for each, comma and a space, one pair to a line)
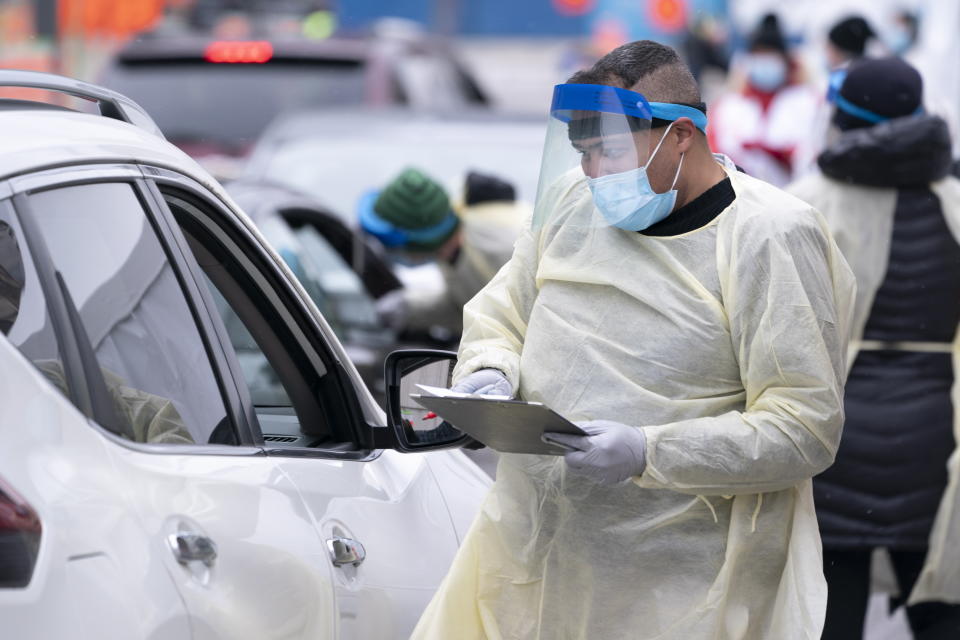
697, 213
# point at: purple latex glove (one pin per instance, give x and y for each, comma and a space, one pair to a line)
610, 453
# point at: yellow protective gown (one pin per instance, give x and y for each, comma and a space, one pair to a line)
726, 345
861, 219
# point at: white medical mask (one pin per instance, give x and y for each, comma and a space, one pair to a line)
626, 199
766, 72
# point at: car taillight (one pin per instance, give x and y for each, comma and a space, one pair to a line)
237, 51
20, 532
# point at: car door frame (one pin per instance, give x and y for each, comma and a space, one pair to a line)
386, 503
369, 425
234, 393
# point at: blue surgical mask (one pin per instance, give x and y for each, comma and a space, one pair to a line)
899, 41
766, 72
626, 199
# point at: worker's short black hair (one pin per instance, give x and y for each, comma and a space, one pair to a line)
653, 69
658, 70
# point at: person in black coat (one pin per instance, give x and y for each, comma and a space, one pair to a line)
885, 190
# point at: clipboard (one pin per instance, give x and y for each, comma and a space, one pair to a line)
507, 426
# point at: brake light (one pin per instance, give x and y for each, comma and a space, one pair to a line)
237, 51
20, 531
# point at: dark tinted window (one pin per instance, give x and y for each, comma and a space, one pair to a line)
134, 313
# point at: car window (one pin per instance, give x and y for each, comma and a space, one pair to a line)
353, 307
282, 239
134, 314
266, 388
298, 401
24, 318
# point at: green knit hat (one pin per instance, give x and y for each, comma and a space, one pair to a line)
413, 201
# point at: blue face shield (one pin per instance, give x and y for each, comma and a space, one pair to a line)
597, 152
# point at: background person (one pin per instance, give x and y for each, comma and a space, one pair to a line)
414, 218
693, 320
765, 125
847, 41
884, 189
903, 35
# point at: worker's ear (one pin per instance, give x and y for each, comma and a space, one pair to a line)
686, 133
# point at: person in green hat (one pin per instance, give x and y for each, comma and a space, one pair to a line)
415, 220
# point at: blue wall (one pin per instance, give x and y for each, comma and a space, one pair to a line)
518, 17
357, 14
512, 17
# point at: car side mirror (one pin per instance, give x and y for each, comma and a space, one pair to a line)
416, 428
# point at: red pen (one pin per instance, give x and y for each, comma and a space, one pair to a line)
430, 416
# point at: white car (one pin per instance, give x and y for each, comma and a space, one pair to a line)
155, 480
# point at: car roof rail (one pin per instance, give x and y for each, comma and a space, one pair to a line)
111, 104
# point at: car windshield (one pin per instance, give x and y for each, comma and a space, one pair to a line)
226, 106
321, 155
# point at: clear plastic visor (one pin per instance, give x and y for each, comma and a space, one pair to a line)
593, 131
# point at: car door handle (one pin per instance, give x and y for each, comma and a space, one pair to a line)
188, 546
345, 551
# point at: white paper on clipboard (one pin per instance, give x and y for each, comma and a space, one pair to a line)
440, 392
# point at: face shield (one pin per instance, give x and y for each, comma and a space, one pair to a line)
599, 141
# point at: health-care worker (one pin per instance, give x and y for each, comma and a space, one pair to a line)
693, 321
884, 189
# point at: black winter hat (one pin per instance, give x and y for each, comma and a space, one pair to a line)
768, 35
486, 188
887, 88
851, 35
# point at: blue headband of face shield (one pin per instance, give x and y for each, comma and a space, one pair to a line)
607, 99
